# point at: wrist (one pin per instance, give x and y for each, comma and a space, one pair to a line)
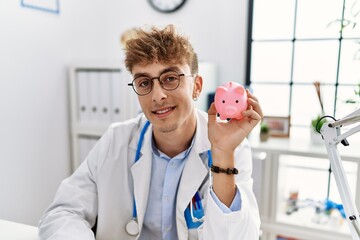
228, 171
223, 158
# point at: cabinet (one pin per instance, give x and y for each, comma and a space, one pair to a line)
99, 95
294, 182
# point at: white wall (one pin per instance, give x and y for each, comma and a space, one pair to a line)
216, 29
35, 50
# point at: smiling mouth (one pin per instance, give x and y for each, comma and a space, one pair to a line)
164, 111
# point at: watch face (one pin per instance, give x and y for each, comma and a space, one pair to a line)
167, 6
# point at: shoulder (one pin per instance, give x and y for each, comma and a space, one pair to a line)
122, 133
116, 140
202, 116
127, 127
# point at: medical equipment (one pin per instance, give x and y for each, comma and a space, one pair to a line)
194, 214
132, 227
332, 136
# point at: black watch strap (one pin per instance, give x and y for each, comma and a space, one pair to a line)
228, 171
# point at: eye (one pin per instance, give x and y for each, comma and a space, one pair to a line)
237, 101
169, 77
143, 82
223, 101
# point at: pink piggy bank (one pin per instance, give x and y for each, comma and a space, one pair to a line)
230, 100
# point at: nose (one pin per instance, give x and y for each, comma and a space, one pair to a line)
158, 93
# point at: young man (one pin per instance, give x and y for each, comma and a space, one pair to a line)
149, 177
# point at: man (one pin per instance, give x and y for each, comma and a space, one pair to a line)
149, 177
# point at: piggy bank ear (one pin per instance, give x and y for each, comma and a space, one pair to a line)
221, 90
240, 90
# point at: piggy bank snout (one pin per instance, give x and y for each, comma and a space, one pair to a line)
231, 111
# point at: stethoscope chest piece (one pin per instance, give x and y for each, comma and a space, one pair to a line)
132, 227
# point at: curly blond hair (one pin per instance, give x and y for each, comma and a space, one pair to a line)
164, 46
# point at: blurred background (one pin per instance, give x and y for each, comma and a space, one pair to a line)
61, 61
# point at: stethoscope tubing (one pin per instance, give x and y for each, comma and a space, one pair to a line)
137, 157
130, 227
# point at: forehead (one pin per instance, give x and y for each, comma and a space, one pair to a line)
155, 69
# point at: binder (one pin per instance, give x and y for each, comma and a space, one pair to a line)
94, 96
83, 107
132, 107
92, 142
117, 99
105, 97
84, 146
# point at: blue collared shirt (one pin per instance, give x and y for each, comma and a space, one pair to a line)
160, 217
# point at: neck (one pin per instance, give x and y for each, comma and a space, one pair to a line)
174, 142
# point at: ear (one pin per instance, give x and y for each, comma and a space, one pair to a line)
221, 90
240, 90
198, 82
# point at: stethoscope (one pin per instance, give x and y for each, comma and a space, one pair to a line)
194, 214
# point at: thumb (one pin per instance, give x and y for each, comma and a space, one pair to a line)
212, 112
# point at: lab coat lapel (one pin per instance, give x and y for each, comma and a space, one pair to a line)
194, 173
141, 173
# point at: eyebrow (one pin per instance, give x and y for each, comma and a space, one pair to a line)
168, 69
172, 68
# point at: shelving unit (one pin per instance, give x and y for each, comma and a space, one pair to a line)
295, 164
99, 95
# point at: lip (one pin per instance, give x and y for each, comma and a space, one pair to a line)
163, 112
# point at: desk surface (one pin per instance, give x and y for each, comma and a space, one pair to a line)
17, 231
299, 143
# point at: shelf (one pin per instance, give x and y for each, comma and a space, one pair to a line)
90, 129
99, 95
300, 232
299, 143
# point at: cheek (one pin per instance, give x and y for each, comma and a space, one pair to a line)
188, 96
143, 103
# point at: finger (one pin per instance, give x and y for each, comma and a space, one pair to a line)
250, 95
251, 114
212, 112
255, 106
253, 117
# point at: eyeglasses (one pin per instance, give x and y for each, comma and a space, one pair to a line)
169, 80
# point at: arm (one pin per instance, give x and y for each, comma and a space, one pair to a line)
232, 150
224, 138
73, 212
235, 225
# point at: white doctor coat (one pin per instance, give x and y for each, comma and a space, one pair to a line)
106, 182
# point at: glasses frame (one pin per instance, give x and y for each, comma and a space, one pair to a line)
161, 84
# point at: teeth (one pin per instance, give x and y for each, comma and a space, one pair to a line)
163, 111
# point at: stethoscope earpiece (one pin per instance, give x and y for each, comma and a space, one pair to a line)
132, 227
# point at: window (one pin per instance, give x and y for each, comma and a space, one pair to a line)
293, 43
